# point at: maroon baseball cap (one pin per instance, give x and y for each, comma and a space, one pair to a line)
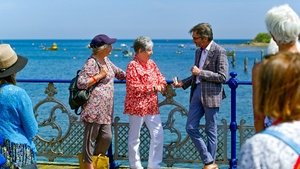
101, 40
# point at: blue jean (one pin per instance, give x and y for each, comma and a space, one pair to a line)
196, 112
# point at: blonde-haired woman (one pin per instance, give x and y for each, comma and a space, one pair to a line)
278, 98
97, 113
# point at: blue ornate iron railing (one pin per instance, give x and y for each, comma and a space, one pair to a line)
174, 151
233, 83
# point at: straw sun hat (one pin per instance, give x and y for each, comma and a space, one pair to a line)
10, 62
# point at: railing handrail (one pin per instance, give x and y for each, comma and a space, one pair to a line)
115, 81
232, 83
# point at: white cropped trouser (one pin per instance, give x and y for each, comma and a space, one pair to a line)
153, 123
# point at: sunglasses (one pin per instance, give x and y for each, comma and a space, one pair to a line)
196, 38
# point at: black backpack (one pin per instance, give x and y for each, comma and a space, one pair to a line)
79, 97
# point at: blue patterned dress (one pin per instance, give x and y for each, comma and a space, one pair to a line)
18, 126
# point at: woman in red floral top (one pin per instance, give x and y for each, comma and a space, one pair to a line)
143, 82
96, 114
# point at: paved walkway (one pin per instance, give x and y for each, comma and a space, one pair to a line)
55, 165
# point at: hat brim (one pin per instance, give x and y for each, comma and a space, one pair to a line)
111, 41
19, 65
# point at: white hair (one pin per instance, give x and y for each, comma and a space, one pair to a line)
142, 43
283, 23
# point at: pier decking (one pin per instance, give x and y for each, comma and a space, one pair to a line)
54, 165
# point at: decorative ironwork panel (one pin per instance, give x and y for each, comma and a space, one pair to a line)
182, 151
61, 134
245, 131
178, 150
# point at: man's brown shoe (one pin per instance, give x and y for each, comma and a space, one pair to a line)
211, 166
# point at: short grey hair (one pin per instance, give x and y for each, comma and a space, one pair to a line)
142, 43
283, 23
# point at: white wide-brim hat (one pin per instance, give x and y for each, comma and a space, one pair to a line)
10, 62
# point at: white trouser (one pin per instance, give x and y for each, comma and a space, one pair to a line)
154, 125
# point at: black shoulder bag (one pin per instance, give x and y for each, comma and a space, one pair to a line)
79, 97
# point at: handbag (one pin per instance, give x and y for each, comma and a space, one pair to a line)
78, 97
99, 162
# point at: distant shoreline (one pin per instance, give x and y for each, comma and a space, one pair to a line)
240, 42
258, 44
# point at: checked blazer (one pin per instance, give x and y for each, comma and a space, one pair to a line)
213, 74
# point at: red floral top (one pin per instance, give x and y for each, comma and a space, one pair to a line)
140, 98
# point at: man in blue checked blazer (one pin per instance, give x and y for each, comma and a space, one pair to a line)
209, 72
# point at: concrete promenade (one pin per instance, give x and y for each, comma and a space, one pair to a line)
54, 165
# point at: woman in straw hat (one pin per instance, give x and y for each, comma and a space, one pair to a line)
18, 125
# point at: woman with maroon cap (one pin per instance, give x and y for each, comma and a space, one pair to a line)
97, 113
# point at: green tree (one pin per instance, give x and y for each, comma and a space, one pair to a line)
262, 38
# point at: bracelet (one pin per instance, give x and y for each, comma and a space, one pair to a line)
94, 79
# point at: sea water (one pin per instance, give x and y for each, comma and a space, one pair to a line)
173, 57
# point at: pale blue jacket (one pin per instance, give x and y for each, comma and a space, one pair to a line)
17, 121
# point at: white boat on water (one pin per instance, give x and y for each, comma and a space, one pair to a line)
127, 53
125, 49
181, 45
123, 45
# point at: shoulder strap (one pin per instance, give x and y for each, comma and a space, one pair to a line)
93, 87
283, 138
96, 62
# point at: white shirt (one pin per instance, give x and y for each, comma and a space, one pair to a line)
263, 151
202, 59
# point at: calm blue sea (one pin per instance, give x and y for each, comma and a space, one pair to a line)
173, 57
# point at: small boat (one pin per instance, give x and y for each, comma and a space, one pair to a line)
53, 47
124, 49
127, 53
178, 51
181, 46
123, 45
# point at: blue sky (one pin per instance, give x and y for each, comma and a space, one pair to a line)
127, 19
